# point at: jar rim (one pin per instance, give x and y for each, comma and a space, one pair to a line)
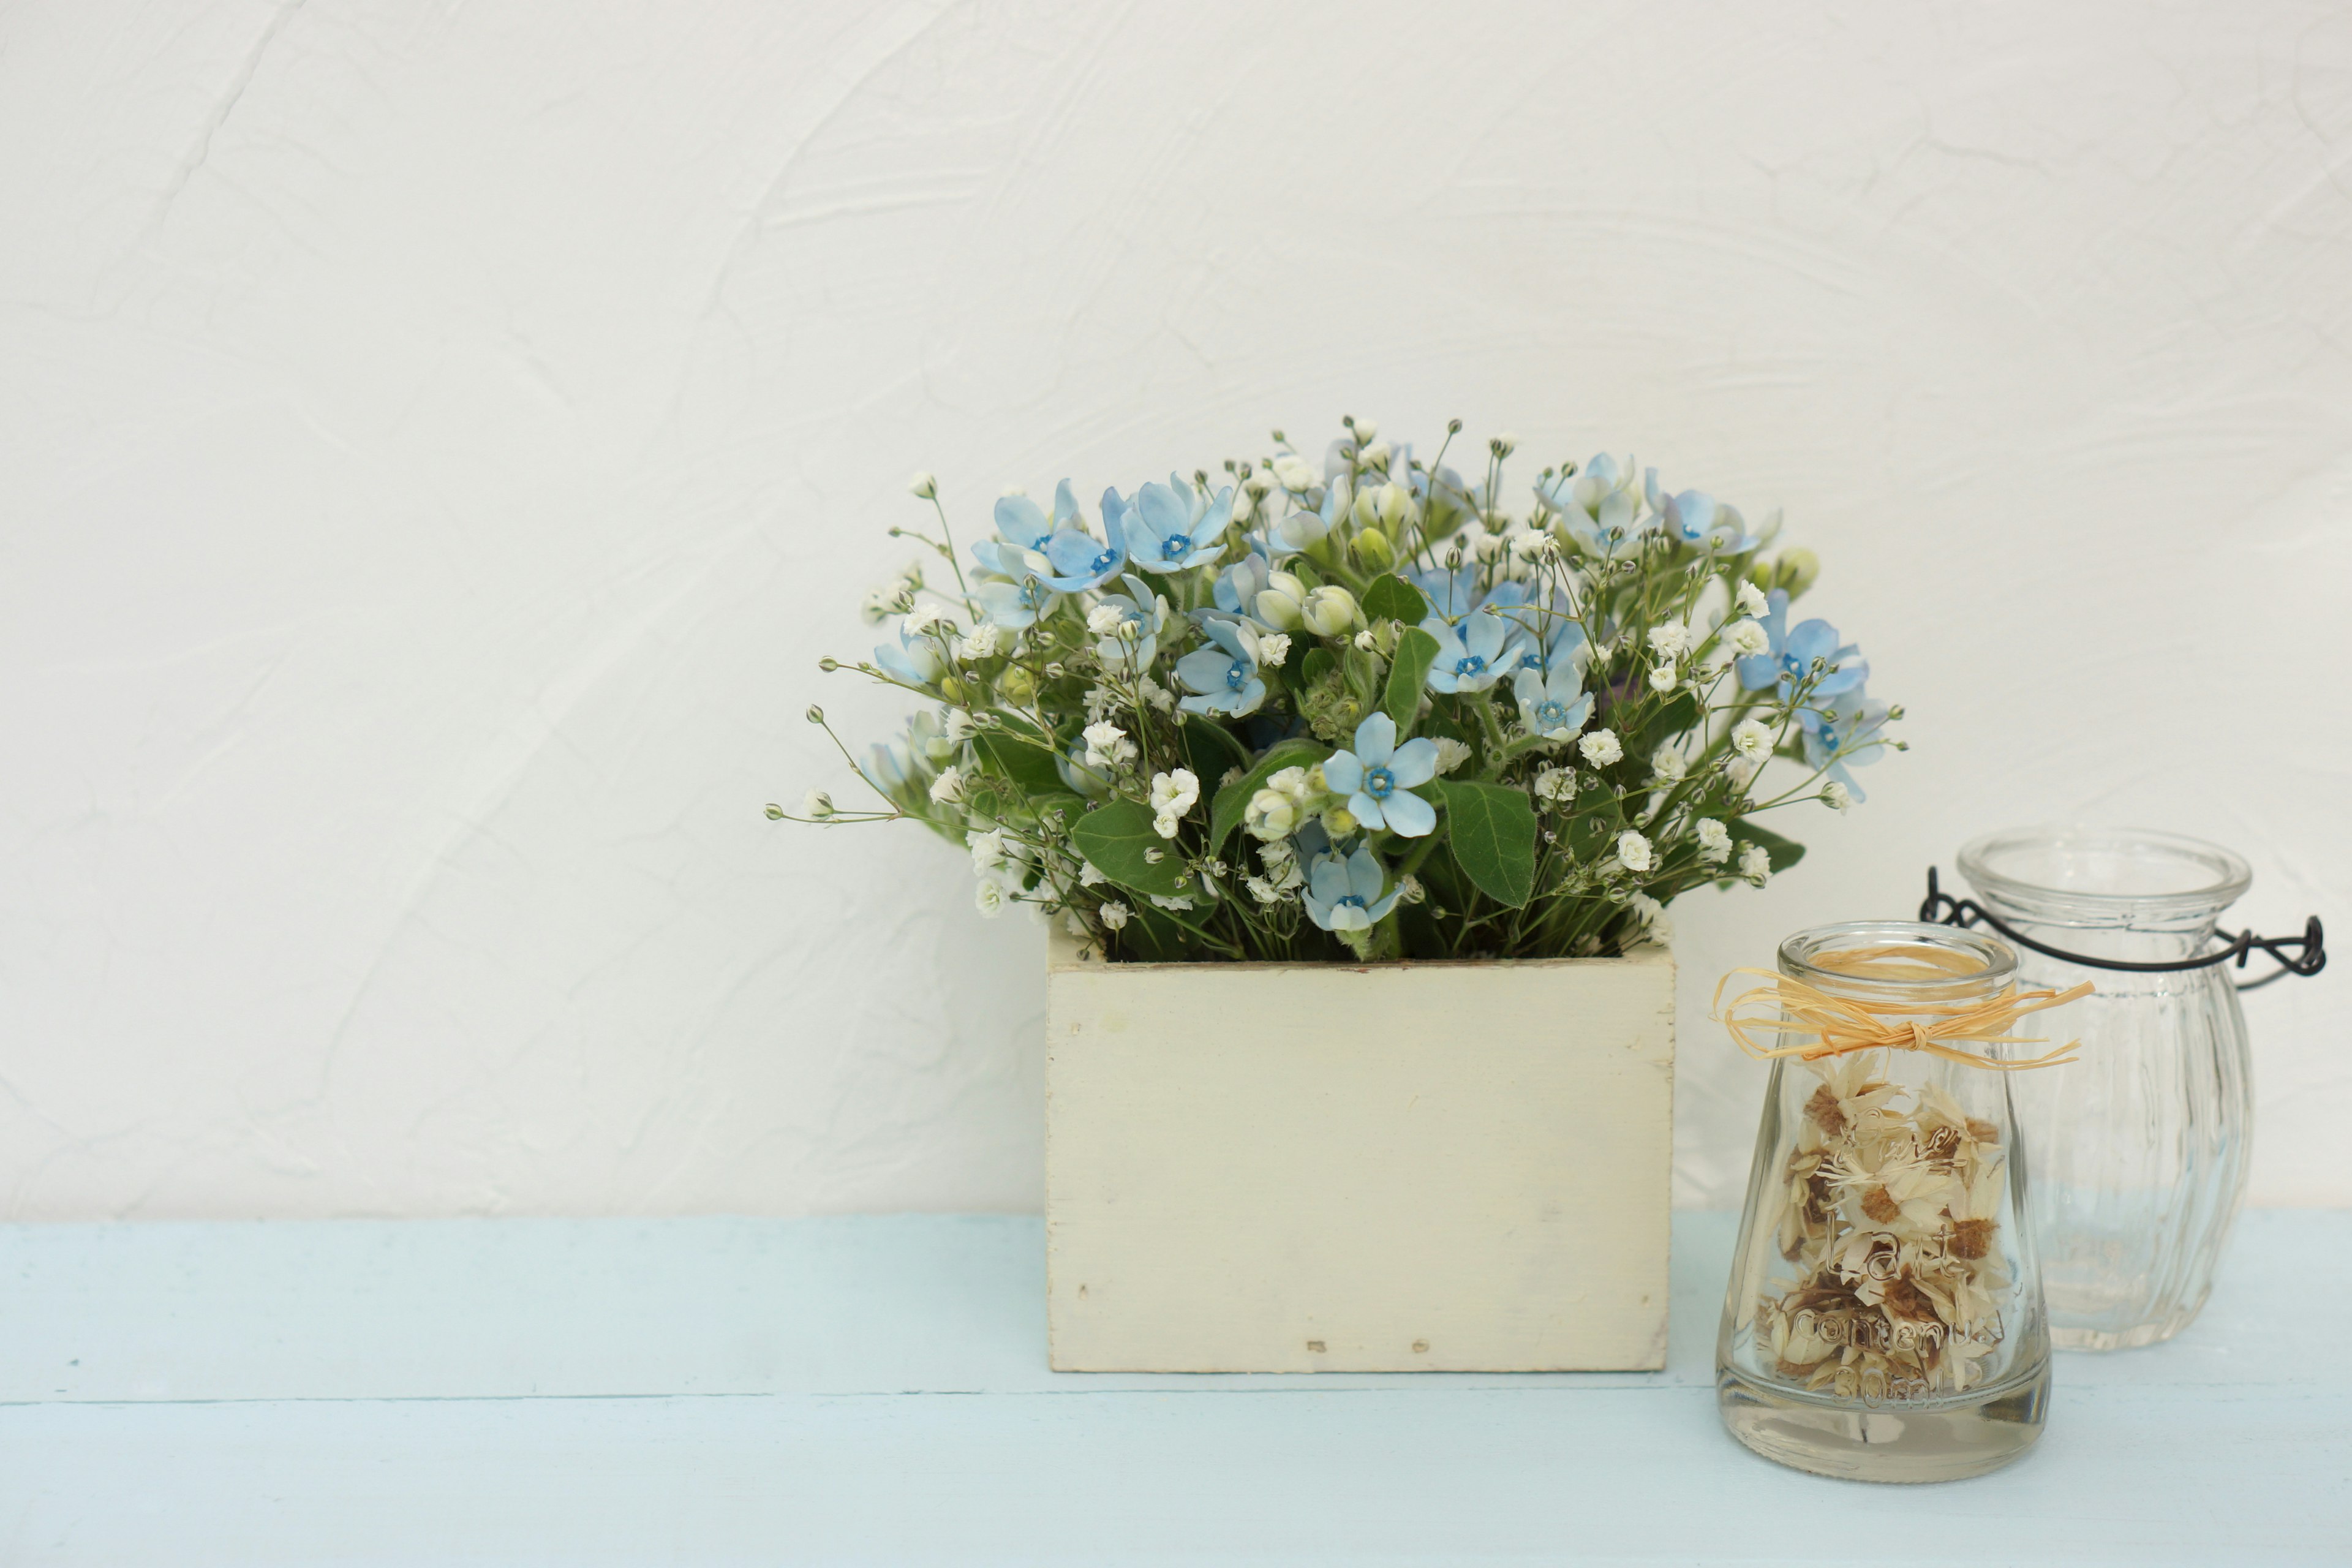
2127, 876
1799, 951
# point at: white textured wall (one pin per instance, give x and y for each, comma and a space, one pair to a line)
436, 442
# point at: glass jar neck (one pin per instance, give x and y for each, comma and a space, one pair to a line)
2105, 892
1892, 966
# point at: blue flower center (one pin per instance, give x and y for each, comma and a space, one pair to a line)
1551, 713
1175, 547
1530, 661
1347, 900
1380, 783
1470, 664
1105, 562
1235, 676
1789, 663
1828, 738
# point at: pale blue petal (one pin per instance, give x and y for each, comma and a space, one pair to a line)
1376, 739
1019, 521
1409, 814
1414, 763
1366, 810
1343, 773
1205, 669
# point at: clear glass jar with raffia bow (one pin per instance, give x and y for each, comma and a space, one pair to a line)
1885, 1316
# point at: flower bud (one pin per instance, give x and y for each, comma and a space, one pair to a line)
1017, 686
1280, 603
1330, 610
828, 664
815, 714
953, 690
923, 486
1339, 822
1796, 570
1372, 549
1395, 504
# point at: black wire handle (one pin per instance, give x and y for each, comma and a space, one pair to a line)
2310, 958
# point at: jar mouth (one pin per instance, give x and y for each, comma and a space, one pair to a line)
1927, 962
2105, 876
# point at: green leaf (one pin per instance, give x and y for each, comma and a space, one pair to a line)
1784, 852
1210, 747
1225, 812
1391, 598
1027, 763
1492, 831
1416, 651
1676, 718
1118, 840
1319, 663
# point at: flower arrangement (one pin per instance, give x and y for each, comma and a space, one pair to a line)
1358, 710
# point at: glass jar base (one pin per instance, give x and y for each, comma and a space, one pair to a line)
1943, 1441
2070, 1339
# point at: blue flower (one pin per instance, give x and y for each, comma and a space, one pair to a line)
1789, 658
1225, 673
1452, 595
1469, 652
1144, 615
1378, 776
1238, 585
1698, 519
1021, 529
1172, 528
1543, 640
1553, 704
916, 660
1345, 895
1014, 606
1598, 507
1841, 739
902, 768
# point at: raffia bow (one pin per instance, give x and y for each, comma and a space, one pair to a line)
1837, 1026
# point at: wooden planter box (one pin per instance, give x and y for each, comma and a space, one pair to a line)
1442, 1167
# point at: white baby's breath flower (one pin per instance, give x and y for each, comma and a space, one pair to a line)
925, 618
1294, 474
1753, 739
1376, 455
922, 485
1157, 695
1652, 916
989, 896
1174, 793
987, 851
1273, 649
1450, 754
1601, 747
1555, 784
1714, 841
1837, 796
948, 788
1179, 903
1663, 677
1298, 783
1231, 775
1746, 638
1088, 877
1668, 764
1487, 546
1755, 864
1114, 915
959, 726
1105, 619
1752, 600
1108, 745
1633, 851
880, 603
818, 805
980, 642
1740, 771
1670, 640
1262, 891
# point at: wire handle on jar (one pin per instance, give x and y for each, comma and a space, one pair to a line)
2310, 958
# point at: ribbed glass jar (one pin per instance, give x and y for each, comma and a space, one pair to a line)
2138, 1149
1883, 1321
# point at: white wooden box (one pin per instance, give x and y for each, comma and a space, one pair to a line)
1445, 1167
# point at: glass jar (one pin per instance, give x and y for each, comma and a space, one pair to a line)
1883, 1321
2139, 1149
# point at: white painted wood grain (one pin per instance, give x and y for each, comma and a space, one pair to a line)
1406, 1167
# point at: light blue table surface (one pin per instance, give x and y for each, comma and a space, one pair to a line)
874, 1390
